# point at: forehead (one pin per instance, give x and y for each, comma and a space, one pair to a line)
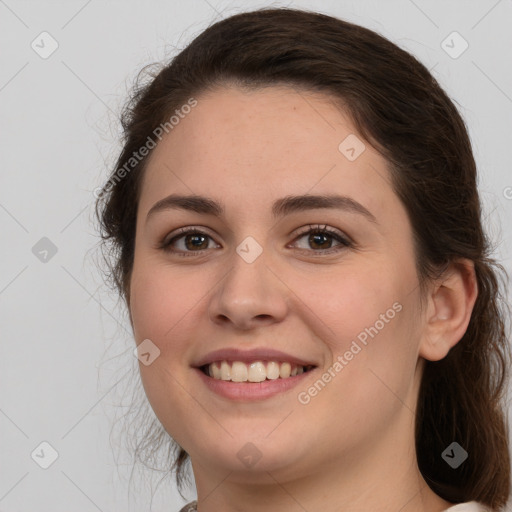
238, 145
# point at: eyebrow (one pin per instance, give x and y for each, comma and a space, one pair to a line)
280, 208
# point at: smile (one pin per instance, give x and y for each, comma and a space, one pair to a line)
252, 382
256, 371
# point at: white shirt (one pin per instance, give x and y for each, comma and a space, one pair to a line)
470, 506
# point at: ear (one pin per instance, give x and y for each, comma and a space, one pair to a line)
450, 304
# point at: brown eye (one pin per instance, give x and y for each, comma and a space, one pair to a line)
187, 241
320, 239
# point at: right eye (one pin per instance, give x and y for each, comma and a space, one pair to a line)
192, 240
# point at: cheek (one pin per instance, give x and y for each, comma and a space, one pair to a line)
161, 298
353, 304
162, 301
162, 304
368, 320
373, 363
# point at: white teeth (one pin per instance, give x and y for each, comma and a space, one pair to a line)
215, 371
238, 372
285, 370
272, 370
225, 371
257, 371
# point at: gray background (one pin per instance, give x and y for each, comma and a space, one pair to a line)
66, 352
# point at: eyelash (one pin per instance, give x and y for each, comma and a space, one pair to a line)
166, 245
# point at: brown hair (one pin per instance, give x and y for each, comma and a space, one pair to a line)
400, 109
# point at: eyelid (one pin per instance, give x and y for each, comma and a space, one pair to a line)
322, 228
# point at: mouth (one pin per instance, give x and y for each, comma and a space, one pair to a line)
252, 375
253, 372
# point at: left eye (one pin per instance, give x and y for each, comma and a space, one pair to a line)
195, 241
321, 236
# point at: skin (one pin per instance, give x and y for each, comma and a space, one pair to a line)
351, 447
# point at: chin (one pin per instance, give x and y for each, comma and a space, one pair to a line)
248, 456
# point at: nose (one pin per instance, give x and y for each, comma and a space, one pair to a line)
249, 296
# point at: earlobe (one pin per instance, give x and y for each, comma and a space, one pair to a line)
450, 304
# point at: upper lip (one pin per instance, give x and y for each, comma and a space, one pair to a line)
248, 356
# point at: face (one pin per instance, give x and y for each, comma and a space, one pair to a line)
329, 285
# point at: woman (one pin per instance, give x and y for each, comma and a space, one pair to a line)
299, 243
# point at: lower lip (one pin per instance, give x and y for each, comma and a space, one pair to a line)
244, 391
